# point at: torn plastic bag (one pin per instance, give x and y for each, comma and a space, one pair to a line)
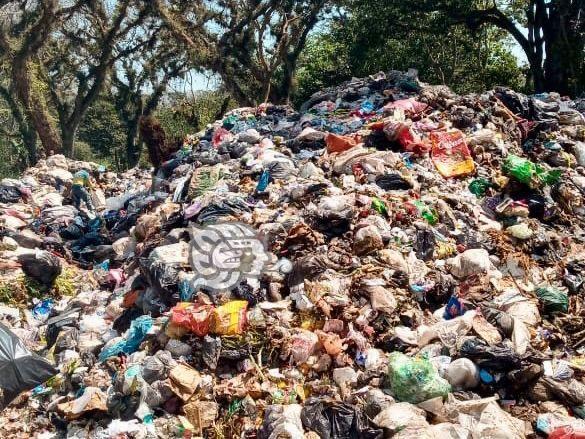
489, 357
20, 369
571, 392
553, 300
56, 324
282, 421
194, 317
336, 420
222, 209
9, 194
450, 153
42, 266
128, 345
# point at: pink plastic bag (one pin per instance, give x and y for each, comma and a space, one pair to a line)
410, 106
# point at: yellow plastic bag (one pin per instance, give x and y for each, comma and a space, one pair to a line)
229, 319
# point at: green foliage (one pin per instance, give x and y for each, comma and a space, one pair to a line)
181, 115
378, 35
102, 135
13, 157
324, 61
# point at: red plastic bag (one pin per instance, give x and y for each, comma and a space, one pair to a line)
194, 317
336, 143
401, 133
450, 153
220, 135
567, 432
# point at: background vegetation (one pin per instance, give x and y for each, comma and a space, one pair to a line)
77, 75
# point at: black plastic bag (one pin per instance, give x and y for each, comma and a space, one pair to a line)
335, 420
56, 324
219, 210
9, 194
246, 292
71, 232
393, 182
490, 357
211, 351
42, 266
424, 244
20, 369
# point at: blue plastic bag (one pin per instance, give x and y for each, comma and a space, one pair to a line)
42, 309
263, 182
136, 334
454, 308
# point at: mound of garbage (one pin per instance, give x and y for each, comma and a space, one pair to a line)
393, 260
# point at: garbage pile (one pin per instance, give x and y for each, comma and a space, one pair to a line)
393, 260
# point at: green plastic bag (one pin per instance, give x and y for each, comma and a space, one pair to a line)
379, 206
529, 173
430, 215
553, 300
415, 379
479, 186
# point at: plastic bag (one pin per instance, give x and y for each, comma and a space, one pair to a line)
410, 106
194, 317
230, 319
393, 182
401, 133
553, 300
336, 420
462, 374
264, 181
336, 143
282, 420
21, 369
136, 334
529, 173
401, 415
415, 379
42, 266
479, 187
450, 153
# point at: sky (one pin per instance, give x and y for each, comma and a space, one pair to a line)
196, 81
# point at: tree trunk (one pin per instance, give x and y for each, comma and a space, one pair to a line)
564, 47
68, 138
29, 139
34, 106
133, 145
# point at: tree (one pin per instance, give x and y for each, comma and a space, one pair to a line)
139, 84
376, 35
24, 31
554, 41
59, 55
83, 52
254, 46
104, 133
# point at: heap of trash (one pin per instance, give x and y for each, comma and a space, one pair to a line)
393, 260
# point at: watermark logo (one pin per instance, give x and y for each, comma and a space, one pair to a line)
222, 255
